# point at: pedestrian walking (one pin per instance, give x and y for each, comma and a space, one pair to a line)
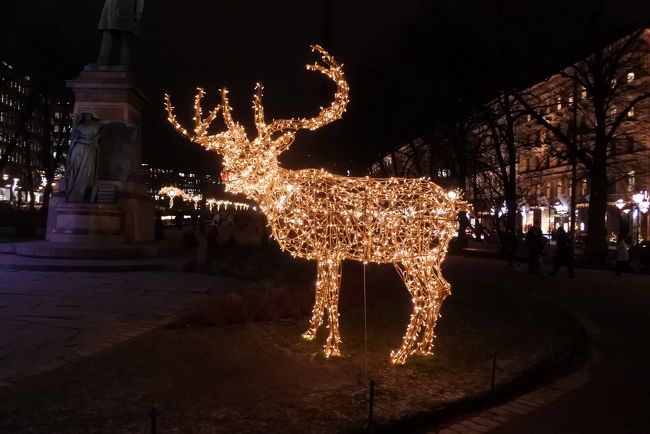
563, 253
509, 246
622, 255
535, 243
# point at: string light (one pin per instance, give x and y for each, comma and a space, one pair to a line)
173, 192
325, 217
226, 204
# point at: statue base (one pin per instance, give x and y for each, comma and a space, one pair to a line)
132, 199
88, 223
110, 93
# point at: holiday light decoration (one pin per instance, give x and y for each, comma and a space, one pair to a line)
173, 192
226, 204
196, 199
325, 217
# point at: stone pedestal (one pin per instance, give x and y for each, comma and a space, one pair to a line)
88, 223
110, 95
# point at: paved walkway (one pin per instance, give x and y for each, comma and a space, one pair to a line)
48, 318
611, 392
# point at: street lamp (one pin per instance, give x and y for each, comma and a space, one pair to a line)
620, 204
641, 201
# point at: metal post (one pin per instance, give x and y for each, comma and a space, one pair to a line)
153, 414
494, 371
371, 402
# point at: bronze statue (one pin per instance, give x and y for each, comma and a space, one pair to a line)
82, 164
120, 22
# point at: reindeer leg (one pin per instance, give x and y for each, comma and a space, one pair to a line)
319, 303
408, 272
331, 291
437, 289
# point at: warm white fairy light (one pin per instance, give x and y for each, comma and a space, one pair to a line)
317, 215
196, 199
173, 192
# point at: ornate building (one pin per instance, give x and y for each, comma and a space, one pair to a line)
549, 171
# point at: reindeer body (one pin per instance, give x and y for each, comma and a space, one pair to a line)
370, 220
320, 216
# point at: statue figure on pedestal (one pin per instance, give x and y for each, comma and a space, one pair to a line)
120, 22
82, 164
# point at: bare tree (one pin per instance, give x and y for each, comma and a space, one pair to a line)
602, 93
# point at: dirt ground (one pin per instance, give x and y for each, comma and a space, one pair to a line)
260, 376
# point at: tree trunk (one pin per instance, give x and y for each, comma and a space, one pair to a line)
596, 230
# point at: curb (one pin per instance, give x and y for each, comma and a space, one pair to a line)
522, 385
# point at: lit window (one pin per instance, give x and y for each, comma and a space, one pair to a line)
630, 181
559, 103
583, 93
613, 82
559, 188
570, 100
528, 117
630, 77
630, 113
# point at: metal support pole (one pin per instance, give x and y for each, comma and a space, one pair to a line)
371, 402
153, 414
494, 372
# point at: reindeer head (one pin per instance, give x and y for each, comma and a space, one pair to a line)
250, 165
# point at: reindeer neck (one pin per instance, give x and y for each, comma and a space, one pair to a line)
256, 186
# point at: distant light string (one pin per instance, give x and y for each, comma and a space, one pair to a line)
174, 192
317, 215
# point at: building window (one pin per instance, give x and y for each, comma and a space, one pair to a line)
570, 101
584, 187
558, 102
559, 188
630, 77
630, 113
548, 190
583, 93
630, 181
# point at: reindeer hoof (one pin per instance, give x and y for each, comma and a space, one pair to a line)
332, 352
309, 335
398, 357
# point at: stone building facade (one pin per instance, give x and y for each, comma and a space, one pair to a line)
545, 172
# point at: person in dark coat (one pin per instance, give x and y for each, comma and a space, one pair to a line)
563, 252
535, 244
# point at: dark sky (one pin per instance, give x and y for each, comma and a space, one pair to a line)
408, 62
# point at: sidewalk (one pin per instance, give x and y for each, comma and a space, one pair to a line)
48, 319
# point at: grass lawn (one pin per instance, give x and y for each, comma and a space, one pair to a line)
213, 373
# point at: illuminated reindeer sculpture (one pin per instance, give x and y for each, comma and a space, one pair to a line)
317, 215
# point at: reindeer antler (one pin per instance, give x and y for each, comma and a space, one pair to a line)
334, 71
201, 125
287, 127
235, 132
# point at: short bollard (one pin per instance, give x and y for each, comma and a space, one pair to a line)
494, 371
371, 402
153, 414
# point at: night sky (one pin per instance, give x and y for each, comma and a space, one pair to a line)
410, 64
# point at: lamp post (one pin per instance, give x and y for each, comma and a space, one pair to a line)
641, 207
